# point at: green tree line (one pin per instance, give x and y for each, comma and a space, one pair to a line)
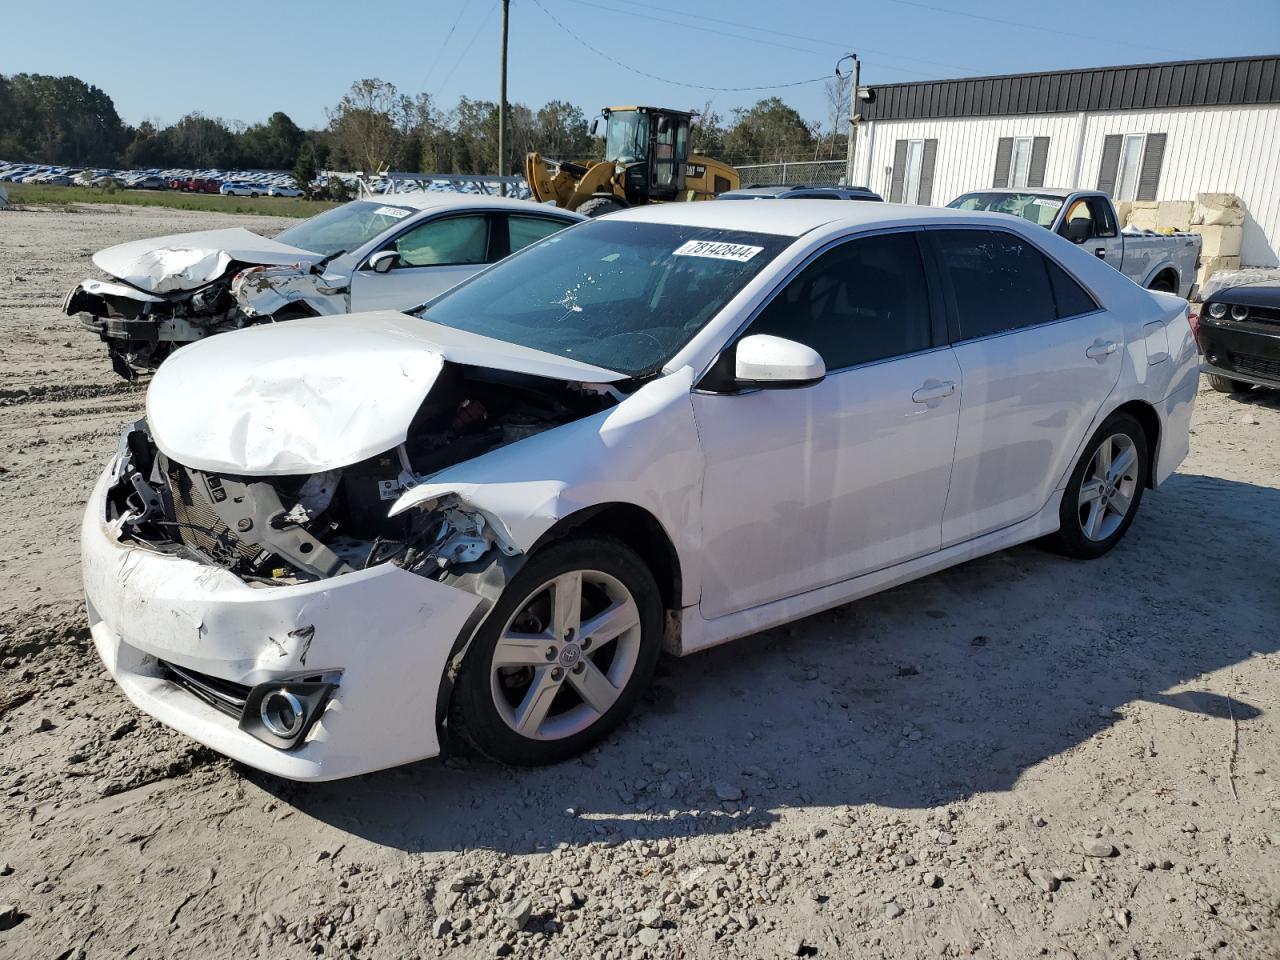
63, 120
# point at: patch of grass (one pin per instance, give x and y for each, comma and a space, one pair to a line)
34, 193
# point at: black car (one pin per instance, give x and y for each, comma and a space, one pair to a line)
1239, 337
798, 191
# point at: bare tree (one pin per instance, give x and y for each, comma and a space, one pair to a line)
837, 90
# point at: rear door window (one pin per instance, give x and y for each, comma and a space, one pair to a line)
861, 301
999, 282
523, 231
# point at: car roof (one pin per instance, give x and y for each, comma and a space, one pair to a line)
794, 218
439, 199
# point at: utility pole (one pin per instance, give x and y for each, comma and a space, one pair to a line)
853, 120
502, 101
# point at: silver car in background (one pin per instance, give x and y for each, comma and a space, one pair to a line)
393, 252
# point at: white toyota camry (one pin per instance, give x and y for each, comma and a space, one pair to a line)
332, 540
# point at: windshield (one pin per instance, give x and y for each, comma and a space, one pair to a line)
1036, 207
626, 136
344, 228
620, 295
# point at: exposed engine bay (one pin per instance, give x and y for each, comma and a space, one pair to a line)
293, 529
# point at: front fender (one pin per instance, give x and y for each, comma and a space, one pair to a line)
644, 452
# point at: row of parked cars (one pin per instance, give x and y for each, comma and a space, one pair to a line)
231, 183
501, 456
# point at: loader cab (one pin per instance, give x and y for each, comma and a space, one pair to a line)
652, 148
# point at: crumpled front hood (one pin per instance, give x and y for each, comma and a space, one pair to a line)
188, 261
315, 394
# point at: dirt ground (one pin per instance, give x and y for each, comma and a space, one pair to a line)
1023, 756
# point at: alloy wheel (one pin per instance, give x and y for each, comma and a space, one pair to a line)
1107, 490
566, 655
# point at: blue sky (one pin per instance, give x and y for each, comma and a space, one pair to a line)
241, 61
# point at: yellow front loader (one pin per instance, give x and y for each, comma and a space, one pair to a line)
646, 160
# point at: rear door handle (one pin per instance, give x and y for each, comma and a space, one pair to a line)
934, 390
1101, 349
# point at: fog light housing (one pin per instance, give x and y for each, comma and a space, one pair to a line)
281, 712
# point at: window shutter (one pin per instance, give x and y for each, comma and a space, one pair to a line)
1152, 157
926, 172
1110, 163
1039, 158
1004, 155
899, 171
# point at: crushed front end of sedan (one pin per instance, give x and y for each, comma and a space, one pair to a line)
245, 580
173, 290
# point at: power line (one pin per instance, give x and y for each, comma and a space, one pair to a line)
470, 43
444, 46
687, 26
1032, 26
650, 76
794, 36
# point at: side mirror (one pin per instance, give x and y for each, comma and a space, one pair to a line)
773, 362
383, 260
664, 125
597, 126
1079, 229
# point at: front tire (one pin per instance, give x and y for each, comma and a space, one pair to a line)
563, 656
599, 206
1104, 489
1227, 385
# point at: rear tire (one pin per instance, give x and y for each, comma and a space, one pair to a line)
1227, 385
599, 206
1162, 285
1104, 490
538, 684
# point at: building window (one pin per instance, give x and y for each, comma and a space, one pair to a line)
1021, 161
1131, 165
911, 183
911, 176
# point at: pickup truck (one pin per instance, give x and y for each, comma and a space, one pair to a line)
1152, 260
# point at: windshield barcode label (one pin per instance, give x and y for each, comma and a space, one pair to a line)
717, 251
398, 213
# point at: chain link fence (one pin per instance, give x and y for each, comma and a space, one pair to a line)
817, 173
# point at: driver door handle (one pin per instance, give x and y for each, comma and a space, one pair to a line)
934, 390
1101, 349
1100, 252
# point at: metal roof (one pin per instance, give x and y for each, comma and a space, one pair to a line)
1146, 86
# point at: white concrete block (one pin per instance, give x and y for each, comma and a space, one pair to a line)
1144, 215
1220, 241
1175, 214
1218, 209
1211, 265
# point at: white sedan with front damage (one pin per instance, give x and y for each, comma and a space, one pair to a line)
332, 540
391, 253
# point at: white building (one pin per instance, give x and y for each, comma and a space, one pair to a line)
1164, 131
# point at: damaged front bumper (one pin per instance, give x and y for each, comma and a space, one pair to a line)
381, 638
141, 329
